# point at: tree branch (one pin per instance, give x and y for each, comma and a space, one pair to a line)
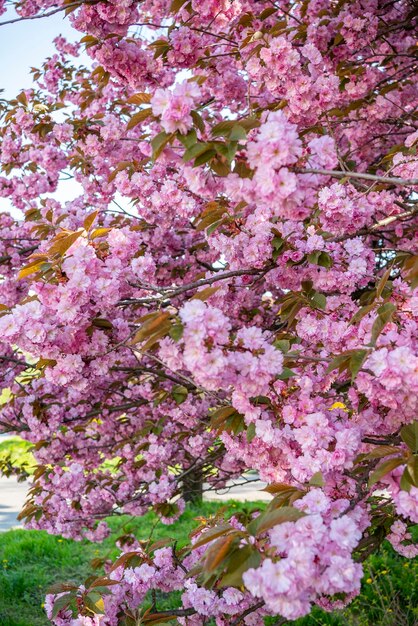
363, 176
7, 257
251, 609
16, 361
109, 409
52, 12
149, 370
171, 292
173, 613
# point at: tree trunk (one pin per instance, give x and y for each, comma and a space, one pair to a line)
193, 487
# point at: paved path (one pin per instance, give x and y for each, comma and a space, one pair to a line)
241, 489
12, 497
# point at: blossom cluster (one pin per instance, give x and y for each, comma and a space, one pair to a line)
313, 558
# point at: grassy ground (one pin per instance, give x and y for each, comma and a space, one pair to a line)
30, 561
16, 451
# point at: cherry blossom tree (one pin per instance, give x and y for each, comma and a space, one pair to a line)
234, 286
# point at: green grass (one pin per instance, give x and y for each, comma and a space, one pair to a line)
31, 561
16, 452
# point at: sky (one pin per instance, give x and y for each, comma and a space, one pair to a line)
24, 45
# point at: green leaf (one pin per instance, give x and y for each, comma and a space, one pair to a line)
257, 400
412, 468
269, 519
196, 150
159, 142
251, 432
286, 373
317, 480
357, 359
203, 158
325, 260
188, 140
385, 313
384, 468
409, 434
100, 322
238, 133
313, 257
380, 452
405, 482
198, 121
340, 362
351, 360
179, 393
362, 312
320, 258
283, 345
61, 603
277, 244
211, 534
94, 602
226, 150
161, 47
139, 117
223, 128
319, 301
176, 331
214, 226
240, 561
